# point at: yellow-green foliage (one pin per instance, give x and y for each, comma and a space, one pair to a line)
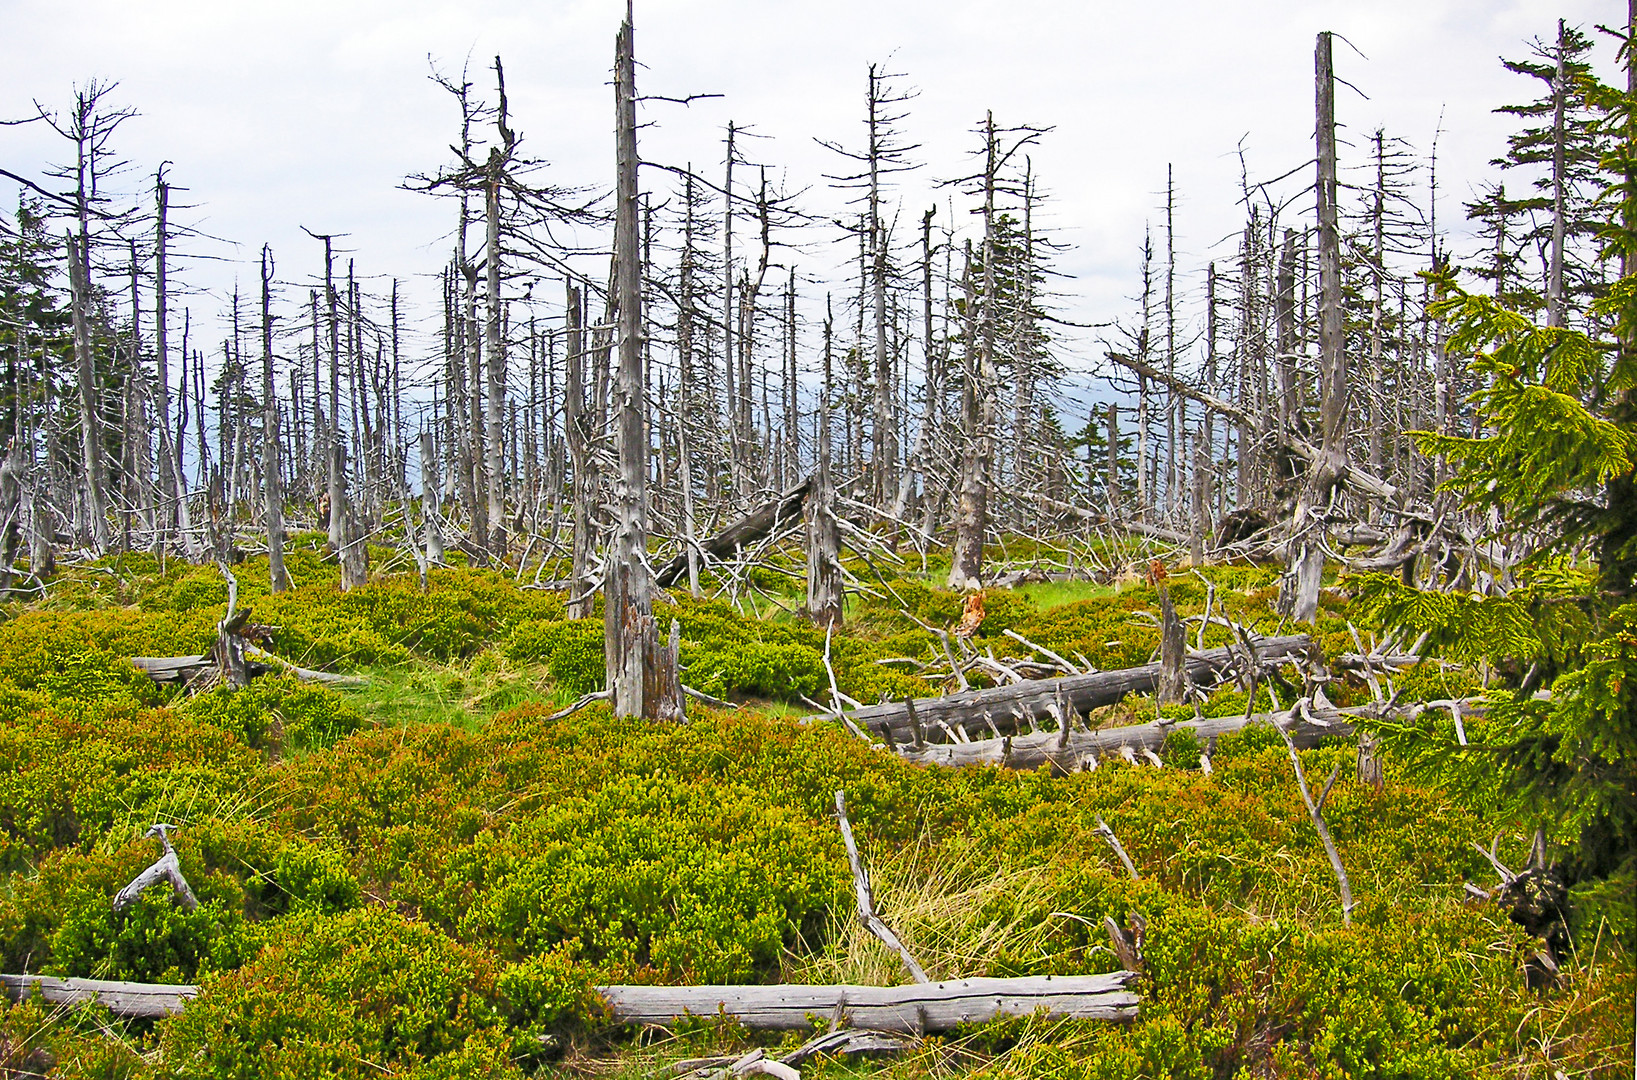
347, 996
430, 899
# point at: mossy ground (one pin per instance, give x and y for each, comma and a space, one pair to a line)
424, 876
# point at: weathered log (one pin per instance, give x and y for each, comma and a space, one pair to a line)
913, 1009
147, 1001
1005, 706
185, 670
742, 532
1083, 749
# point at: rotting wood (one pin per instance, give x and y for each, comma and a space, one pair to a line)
742, 532
912, 1009
142, 1001
1018, 705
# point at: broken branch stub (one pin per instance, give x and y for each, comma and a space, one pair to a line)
165, 868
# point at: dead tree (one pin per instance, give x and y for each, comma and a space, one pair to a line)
641, 669
494, 341
1305, 547
577, 433
825, 606
272, 492
431, 512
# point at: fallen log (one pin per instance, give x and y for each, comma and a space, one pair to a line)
228, 660
188, 670
910, 1010
1006, 707
1306, 724
146, 1001
1083, 749
742, 532
913, 1009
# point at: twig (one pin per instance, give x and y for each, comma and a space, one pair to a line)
1042, 650
1119, 849
165, 868
713, 702
866, 904
1314, 811
585, 699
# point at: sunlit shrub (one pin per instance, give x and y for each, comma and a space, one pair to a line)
340, 996
277, 711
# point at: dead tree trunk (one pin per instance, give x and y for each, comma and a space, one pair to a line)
742, 532
1005, 707
581, 586
272, 493
79, 261
431, 512
1173, 681
825, 606
494, 341
1305, 546
641, 670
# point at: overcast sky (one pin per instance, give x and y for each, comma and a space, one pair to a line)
299, 113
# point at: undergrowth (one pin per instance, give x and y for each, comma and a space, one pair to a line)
427, 875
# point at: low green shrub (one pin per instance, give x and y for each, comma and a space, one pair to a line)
349, 995
277, 712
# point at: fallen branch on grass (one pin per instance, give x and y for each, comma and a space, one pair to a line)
866, 900
907, 1010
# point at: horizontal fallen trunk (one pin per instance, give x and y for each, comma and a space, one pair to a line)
1004, 708
746, 530
912, 1009
147, 1001
1083, 749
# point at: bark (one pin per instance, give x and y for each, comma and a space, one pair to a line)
1083, 750
742, 532
641, 672
494, 340
1006, 707
95, 489
825, 598
581, 585
1556, 304
431, 513
915, 1009
138, 1001
1173, 680
272, 492
972, 513
1305, 546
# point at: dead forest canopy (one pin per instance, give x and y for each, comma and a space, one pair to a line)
488, 647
